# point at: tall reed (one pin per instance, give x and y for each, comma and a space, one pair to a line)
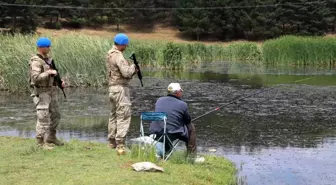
300, 51
81, 58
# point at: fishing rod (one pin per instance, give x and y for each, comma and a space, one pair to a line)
234, 101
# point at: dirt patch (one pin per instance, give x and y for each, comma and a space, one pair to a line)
159, 33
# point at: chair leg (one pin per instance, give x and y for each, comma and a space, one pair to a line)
155, 142
173, 147
172, 150
164, 147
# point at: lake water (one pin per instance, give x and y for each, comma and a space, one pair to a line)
286, 135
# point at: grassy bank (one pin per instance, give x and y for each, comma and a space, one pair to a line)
21, 162
81, 58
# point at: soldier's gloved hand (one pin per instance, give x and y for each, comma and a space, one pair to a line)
52, 72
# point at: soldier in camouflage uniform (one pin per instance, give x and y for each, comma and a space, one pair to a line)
119, 73
43, 89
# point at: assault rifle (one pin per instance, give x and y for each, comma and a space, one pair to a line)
57, 77
132, 57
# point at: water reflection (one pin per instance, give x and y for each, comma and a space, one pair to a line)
250, 74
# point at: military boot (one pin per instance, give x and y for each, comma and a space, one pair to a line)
47, 146
121, 149
112, 143
41, 143
51, 138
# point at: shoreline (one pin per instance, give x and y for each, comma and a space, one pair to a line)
86, 162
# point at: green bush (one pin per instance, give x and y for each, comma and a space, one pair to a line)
172, 56
76, 23
244, 51
54, 25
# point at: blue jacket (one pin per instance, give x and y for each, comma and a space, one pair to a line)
177, 116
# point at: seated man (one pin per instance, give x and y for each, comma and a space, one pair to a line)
178, 119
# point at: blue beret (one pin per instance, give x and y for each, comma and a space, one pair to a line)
121, 39
43, 42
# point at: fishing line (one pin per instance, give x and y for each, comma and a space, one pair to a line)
234, 101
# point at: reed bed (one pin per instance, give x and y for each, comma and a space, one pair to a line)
294, 50
81, 58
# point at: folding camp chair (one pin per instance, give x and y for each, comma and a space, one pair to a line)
158, 116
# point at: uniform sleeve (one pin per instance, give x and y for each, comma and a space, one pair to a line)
108, 66
186, 115
126, 70
36, 75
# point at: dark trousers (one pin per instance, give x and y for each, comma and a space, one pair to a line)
190, 141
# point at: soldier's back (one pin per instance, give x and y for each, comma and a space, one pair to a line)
118, 70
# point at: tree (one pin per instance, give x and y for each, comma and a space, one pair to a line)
331, 16
19, 19
192, 21
164, 15
313, 18
117, 16
141, 18
261, 21
237, 19
302, 19
53, 14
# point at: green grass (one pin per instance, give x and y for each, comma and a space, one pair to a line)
78, 162
319, 51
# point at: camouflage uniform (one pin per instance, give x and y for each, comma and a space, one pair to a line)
44, 97
119, 73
